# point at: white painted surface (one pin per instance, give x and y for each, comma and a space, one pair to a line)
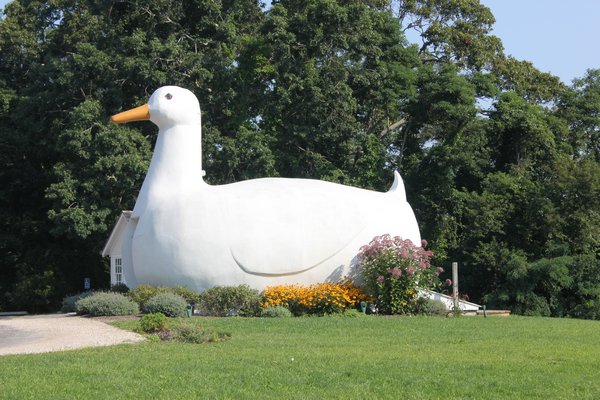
260, 232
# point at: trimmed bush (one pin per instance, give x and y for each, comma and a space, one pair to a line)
152, 323
143, 293
68, 304
106, 304
427, 306
192, 297
169, 304
224, 301
276, 312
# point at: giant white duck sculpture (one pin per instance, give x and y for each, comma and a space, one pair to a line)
260, 232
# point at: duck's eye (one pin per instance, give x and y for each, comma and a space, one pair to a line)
168, 96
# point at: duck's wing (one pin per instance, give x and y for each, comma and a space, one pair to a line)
288, 226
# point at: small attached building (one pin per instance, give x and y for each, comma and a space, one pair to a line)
465, 306
114, 250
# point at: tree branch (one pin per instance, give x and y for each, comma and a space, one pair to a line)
392, 127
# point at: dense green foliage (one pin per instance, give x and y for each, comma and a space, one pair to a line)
330, 358
229, 301
68, 303
431, 307
106, 304
152, 323
169, 304
142, 293
119, 288
501, 161
191, 297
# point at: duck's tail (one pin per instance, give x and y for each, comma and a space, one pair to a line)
397, 188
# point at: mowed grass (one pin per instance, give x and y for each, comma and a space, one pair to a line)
330, 358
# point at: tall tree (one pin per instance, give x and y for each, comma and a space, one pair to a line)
340, 75
581, 108
67, 65
452, 31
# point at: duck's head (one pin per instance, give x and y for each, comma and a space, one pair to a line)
168, 106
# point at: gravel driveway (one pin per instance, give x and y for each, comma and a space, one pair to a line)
58, 332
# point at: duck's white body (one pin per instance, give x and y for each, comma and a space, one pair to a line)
259, 232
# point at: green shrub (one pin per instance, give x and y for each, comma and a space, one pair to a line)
170, 304
589, 309
68, 303
427, 306
193, 333
224, 301
275, 312
192, 297
106, 303
119, 288
152, 323
143, 293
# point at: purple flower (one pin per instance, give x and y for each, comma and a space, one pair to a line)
423, 243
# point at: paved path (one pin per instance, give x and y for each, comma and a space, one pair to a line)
58, 332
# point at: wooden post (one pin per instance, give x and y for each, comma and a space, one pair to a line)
455, 284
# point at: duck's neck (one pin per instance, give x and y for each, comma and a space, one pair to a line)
177, 158
176, 165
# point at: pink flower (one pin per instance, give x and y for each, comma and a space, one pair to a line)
380, 278
423, 243
448, 282
395, 272
410, 270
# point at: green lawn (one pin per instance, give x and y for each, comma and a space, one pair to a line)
331, 357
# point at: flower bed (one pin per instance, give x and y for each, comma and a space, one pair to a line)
322, 298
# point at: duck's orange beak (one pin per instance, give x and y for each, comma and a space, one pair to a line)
140, 113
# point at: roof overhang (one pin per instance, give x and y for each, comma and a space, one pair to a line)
116, 233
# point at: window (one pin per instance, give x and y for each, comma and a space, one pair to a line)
118, 271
